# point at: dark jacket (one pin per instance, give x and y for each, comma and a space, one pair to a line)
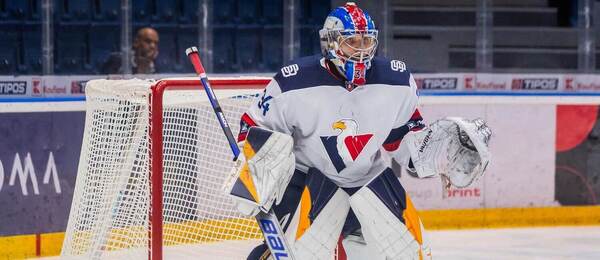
113, 65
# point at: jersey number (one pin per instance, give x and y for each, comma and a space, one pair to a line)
263, 102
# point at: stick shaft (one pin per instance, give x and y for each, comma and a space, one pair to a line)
192, 54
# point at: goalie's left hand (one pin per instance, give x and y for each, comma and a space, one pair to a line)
262, 172
453, 147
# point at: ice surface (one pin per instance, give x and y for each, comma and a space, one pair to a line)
514, 243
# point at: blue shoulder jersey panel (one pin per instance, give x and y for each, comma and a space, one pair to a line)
307, 72
303, 73
389, 72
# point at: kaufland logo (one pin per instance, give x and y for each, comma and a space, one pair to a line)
471, 82
535, 84
437, 83
569, 83
590, 84
13, 87
55, 90
43, 87
37, 87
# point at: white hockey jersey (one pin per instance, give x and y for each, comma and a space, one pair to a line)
344, 134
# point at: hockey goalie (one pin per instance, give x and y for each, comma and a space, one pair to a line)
320, 139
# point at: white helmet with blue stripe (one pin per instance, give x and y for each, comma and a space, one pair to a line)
349, 40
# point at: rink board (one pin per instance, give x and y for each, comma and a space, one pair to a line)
518, 190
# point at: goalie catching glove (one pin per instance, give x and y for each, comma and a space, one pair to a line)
453, 147
262, 171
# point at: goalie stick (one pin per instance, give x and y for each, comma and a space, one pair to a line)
267, 221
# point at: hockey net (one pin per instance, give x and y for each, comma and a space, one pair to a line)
122, 209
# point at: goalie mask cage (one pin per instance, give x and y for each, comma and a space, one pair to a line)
151, 171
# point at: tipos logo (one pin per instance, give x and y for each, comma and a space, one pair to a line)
13, 87
345, 147
437, 83
535, 84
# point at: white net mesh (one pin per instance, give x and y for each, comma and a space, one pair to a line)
109, 214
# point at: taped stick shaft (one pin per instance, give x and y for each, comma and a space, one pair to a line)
192, 54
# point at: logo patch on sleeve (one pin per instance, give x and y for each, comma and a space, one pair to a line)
398, 65
290, 70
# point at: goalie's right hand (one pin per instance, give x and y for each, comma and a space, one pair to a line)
263, 171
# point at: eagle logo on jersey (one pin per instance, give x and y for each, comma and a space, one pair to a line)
344, 148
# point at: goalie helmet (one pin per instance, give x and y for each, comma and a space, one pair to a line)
349, 40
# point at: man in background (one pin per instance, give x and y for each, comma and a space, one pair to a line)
145, 51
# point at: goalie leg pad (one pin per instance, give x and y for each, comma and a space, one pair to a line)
389, 221
319, 219
356, 248
312, 214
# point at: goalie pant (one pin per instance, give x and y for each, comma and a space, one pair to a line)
376, 221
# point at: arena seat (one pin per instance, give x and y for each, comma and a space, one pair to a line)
248, 46
313, 12
32, 48
34, 10
140, 11
248, 12
272, 52
107, 10
186, 37
73, 10
14, 10
272, 14
70, 53
104, 40
165, 62
309, 42
165, 12
224, 12
224, 51
189, 13
8, 45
